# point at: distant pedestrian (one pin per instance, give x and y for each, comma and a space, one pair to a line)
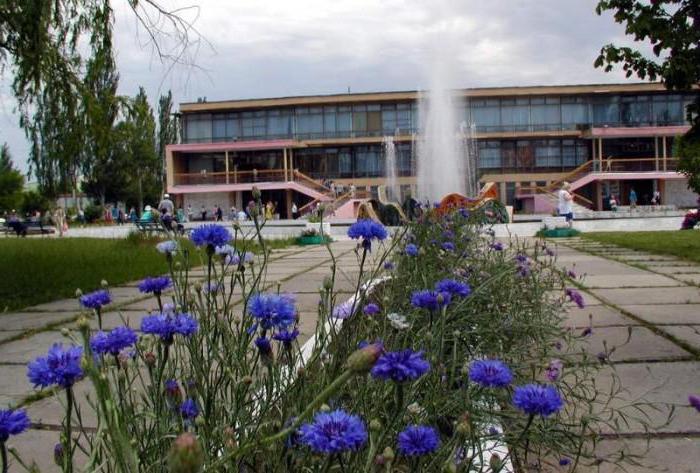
613, 203
219, 214
232, 213
565, 205
656, 198
633, 199
295, 211
166, 206
190, 213
133, 216
59, 217
203, 211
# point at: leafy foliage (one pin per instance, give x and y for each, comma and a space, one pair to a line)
11, 182
672, 28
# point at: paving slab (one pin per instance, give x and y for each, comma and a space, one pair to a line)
676, 455
630, 280
14, 383
33, 320
666, 313
663, 383
37, 446
688, 333
648, 257
61, 305
602, 266
51, 410
665, 295
643, 344
675, 270
689, 278
26, 349
597, 316
9, 334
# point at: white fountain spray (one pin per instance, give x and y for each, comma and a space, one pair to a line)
442, 154
390, 165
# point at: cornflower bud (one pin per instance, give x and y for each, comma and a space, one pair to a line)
104, 283
362, 360
186, 455
324, 408
495, 463
375, 425
150, 359
65, 331
388, 454
78, 293
58, 454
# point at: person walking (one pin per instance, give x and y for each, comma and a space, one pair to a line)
656, 198
219, 213
166, 206
565, 205
633, 199
295, 211
190, 213
204, 213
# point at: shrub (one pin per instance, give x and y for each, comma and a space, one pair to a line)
93, 213
394, 388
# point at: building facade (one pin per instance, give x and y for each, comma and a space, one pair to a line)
606, 139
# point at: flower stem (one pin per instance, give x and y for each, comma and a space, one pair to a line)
3, 452
68, 454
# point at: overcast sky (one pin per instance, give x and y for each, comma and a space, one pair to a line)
268, 48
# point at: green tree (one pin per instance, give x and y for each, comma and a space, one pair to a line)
672, 29
11, 182
143, 160
167, 128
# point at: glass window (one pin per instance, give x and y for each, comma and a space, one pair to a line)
280, 125
345, 163
329, 123
199, 128
574, 114
219, 128
233, 127
359, 122
310, 125
374, 122
547, 153
486, 118
389, 121
546, 117
489, 154
606, 111
343, 122
515, 117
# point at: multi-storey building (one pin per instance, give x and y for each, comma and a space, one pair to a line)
606, 139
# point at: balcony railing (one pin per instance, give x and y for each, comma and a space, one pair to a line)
232, 177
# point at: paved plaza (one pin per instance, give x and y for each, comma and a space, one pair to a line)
646, 306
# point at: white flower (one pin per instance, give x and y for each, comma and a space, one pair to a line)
398, 321
167, 247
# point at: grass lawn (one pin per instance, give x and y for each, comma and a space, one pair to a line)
37, 270
683, 244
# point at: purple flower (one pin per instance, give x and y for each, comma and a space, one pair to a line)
431, 300
264, 346
575, 296
273, 310
498, 246
189, 409
400, 366
167, 326
564, 461
417, 440
343, 310
334, 432
464, 212
155, 285
553, 370
225, 251
388, 265
694, 401
368, 230
96, 300
571, 274
59, 367
210, 235
172, 388
587, 331
411, 250
490, 373
520, 258
113, 342
371, 309
448, 246
453, 287
535, 399
12, 422
286, 337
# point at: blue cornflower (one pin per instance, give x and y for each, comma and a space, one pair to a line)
189, 409
172, 387
368, 230
521, 258
564, 461
343, 310
432, 300
575, 297
536, 399
210, 235
286, 337
225, 251
167, 326
400, 366
96, 300
264, 346
448, 246
334, 432
167, 247
389, 266
155, 285
246, 257
490, 373
59, 367
411, 250
464, 212
453, 287
498, 246
273, 310
12, 422
113, 342
371, 309
417, 440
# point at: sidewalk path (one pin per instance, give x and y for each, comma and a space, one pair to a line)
27, 334
655, 301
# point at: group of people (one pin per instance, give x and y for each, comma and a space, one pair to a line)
44, 220
566, 200
338, 189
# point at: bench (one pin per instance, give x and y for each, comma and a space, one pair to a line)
27, 228
159, 227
